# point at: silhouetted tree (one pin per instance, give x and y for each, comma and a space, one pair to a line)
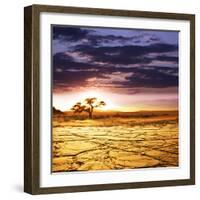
88, 106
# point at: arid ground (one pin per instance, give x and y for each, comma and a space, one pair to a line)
114, 140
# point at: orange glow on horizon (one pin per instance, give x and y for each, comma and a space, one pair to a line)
114, 102
61, 101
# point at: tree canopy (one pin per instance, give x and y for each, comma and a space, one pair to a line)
88, 105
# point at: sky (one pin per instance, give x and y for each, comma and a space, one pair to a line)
129, 69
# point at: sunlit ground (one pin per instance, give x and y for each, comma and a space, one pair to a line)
114, 140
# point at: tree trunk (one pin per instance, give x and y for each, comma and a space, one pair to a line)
90, 115
90, 112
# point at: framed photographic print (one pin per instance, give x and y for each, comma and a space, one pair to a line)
109, 99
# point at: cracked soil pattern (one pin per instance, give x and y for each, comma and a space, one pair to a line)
97, 144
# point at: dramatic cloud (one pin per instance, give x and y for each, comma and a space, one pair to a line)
126, 54
153, 78
69, 33
117, 59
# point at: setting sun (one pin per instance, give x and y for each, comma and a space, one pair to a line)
65, 102
110, 105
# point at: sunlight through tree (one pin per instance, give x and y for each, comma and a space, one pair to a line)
88, 106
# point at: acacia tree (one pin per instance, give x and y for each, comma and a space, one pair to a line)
88, 106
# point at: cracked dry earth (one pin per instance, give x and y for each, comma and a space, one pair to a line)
87, 146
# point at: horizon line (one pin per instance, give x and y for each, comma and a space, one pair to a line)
167, 110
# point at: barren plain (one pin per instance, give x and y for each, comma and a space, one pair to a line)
114, 141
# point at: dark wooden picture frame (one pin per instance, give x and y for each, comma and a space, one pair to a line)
32, 98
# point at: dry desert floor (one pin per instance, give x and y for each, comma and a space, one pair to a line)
115, 142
